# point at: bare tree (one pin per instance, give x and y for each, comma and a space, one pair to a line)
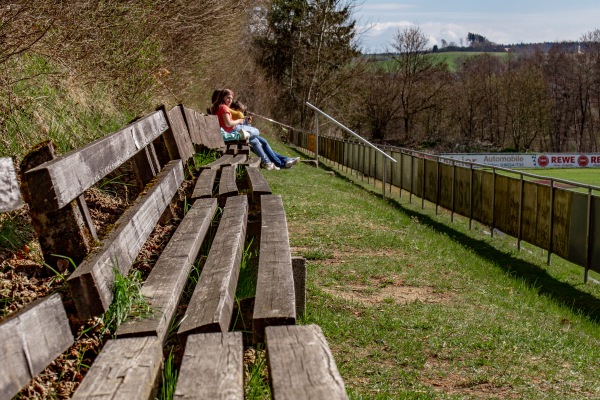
420, 79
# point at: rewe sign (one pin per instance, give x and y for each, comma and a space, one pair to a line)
543, 160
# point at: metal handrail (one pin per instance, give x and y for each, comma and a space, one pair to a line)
350, 131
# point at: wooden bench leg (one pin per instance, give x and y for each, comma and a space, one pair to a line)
299, 268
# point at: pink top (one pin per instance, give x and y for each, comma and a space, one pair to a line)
223, 109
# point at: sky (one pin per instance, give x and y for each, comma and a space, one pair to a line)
503, 22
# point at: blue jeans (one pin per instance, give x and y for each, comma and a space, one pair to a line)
248, 128
262, 149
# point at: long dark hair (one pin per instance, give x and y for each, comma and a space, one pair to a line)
220, 100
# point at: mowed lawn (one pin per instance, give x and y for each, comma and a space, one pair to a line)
415, 306
589, 176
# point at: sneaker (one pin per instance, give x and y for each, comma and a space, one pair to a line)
291, 162
270, 166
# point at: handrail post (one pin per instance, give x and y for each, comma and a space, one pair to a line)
317, 139
522, 199
384, 176
471, 197
551, 227
588, 226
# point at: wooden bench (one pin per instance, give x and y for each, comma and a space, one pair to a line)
128, 367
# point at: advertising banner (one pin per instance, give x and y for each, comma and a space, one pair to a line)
530, 160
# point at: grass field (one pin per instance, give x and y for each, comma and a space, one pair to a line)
589, 176
417, 307
452, 59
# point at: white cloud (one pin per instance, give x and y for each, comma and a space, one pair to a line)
514, 22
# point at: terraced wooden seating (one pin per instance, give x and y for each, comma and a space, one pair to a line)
128, 367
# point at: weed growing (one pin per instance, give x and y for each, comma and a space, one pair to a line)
169, 378
128, 301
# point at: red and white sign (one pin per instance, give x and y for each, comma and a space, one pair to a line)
528, 160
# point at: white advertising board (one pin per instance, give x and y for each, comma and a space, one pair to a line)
540, 160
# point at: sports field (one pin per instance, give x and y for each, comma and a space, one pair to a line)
588, 176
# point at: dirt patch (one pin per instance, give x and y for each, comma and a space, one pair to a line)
458, 383
388, 291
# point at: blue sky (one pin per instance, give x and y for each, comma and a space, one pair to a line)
506, 21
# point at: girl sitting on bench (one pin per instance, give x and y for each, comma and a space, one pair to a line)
259, 145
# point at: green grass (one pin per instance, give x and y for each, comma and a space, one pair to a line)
452, 58
417, 307
169, 379
46, 106
589, 176
128, 302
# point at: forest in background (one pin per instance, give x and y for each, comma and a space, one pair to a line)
74, 72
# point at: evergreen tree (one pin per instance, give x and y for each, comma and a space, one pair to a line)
306, 49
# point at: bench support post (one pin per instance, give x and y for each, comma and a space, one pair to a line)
299, 270
64, 231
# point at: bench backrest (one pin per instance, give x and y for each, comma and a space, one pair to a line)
204, 129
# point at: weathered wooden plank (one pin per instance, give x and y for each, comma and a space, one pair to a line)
211, 136
30, 340
212, 367
204, 184
227, 185
211, 305
164, 285
301, 365
257, 183
578, 240
126, 369
61, 180
238, 147
92, 281
181, 134
238, 159
10, 195
62, 231
275, 302
544, 196
244, 149
253, 162
231, 148
218, 163
204, 130
431, 180
194, 125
